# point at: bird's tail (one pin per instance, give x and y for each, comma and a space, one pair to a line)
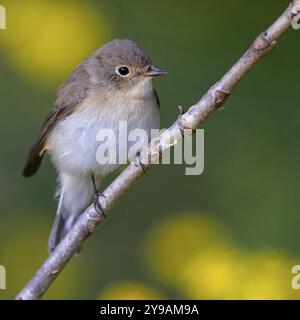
57, 233
75, 195
60, 227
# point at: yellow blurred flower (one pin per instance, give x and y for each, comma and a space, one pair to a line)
177, 240
269, 277
192, 254
213, 274
233, 274
47, 39
130, 290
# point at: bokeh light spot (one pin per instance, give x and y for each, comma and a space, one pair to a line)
47, 39
130, 290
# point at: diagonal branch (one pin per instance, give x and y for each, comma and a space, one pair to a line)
192, 119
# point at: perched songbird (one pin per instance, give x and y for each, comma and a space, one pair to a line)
113, 84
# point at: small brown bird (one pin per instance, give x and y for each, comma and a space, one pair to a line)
112, 85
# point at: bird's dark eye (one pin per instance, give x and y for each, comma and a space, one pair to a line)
123, 71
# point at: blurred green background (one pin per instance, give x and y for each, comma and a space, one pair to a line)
232, 232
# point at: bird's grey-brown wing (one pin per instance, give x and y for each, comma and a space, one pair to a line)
69, 95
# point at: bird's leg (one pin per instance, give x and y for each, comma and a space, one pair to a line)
97, 204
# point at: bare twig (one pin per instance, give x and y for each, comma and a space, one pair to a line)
192, 119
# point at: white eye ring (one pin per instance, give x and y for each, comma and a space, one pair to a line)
122, 71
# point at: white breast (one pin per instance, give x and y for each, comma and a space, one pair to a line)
73, 145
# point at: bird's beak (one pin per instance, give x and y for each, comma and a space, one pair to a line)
154, 72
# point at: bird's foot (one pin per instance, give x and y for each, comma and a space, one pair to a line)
97, 205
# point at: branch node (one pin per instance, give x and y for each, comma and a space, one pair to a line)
182, 123
93, 221
264, 42
295, 8
181, 110
221, 96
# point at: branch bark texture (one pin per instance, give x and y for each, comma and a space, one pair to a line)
192, 119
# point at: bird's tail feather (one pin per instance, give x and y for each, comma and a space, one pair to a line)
62, 224
75, 193
58, 231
